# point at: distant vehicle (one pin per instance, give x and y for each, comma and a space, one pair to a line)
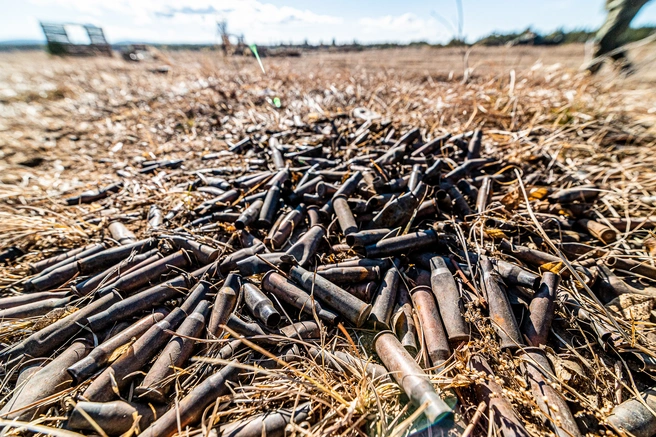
59, 42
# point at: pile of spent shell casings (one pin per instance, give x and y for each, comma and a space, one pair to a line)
367, 232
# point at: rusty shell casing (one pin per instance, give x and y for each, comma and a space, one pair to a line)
85, 266
28, 298
633, 417
431, 146
344, 215
464, 169
632, 266
489, 391
121, 234
190, 409
34, 309
435, 338
134, 358
155, 217
459, 202
142, 301
549, 400
112, 274
46, 340
99, 356
531, 256
501, 315
141, 277
402, 244
383, 306
415, 176
541, 310
249, 215
348, 275
583, 194
396, 213
197, 294
154, 387
281, 179
269, 208
260, 305
224, 304
68, 256
49, 380
366, 238
271, 424
410, 377
263, 263
365, 291
302, 330
448, 299
218, 202
347, 305
304, 249
403, 322
474, 147
284, 230
202, 253
246, 239
288, 292
484, 193
600, 231
246, 329
382, 264
229, 263
349, 186
114, 418
324, 189
513, 274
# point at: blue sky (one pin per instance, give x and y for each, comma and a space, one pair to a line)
273, 21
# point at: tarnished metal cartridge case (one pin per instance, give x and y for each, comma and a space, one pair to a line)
244, 328
269, 208
229, 263
541, 310
601, 232
347, 305
435, 338
365, 291
344, 215
288, 292
218, 202
190, 409
503, 320
302, 330
197, 294
448, 298
383, 306
203, 253
403, 322
284, 230
483, 195
28, 298
47, 381
346, 275
141, 277
271, 424
155, 217
154, 387
549, 400
349, 186
513, 274
121, 234
342, 361
304, 249
224, 304
134, 358
404, 243
634, 417
249, 215
410, 377
260, 305
365, 238
586, 193
68, 256
397, 212
34, 309
99, 356
46, 340
114, 418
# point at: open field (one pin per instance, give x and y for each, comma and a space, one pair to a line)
70, 125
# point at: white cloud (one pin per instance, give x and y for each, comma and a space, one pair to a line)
406, 27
